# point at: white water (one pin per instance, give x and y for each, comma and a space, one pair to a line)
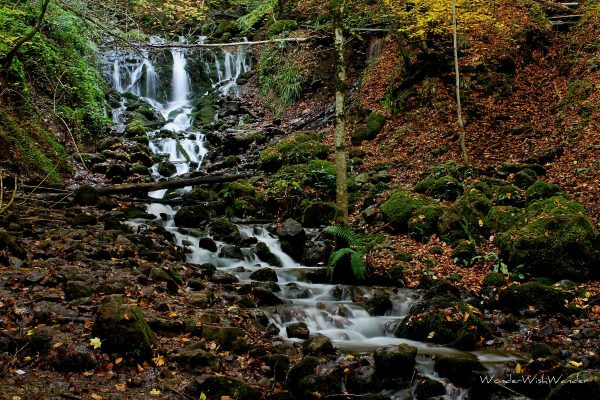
326, 309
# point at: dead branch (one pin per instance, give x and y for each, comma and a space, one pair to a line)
174, 184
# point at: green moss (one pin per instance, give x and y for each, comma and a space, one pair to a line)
524, 178
503, 218
375, 122
444, 188
464, 253
478, 199
282, 26
374, 125
399, 207
302, 147
541, 190
494, 280
270, 160
230, 161
223, 229
558, 241
318, 213
518, 297
424, 222
508, 195
239, 188
460, 221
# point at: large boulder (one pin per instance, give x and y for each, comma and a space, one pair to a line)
192, 216
265, 254
531, 294
223, 230
581, 385
122, 328
292, 237
460, 369
400, 206
395, 361
558, 241
220, 386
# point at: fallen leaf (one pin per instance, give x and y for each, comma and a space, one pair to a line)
575, 364
96, 343
88, 373
431, 335
120, 387
155, 392
118, 360
518, 368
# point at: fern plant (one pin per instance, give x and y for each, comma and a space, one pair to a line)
353, 248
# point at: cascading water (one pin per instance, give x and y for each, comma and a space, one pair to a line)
326, 309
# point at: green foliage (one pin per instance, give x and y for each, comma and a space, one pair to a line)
259, 9
354, 255
282, 26
280, 78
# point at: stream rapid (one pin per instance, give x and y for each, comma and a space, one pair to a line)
327, 309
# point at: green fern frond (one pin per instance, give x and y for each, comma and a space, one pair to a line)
344, 233
357, 262
336, 256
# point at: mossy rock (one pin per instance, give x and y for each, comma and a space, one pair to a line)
86, 195
524, 178
464, 253
270, 160
198, 195
221, 386
230, 161
395, 361
192, 216
541, 190
521, 296
264, 254
478, 199
376, 122
444, 320
450, 168
318, 213
123, 328
134, 129
7, 242
508, 195
580, 385
558, 241
302, 147
282, 26
240, 188
444, 188
374, 125
503, 218
462, 370
494, 280
424, 222
511, 168
399, 207
166, 168
223, 230
460, 221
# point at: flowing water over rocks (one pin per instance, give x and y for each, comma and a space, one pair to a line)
296, 307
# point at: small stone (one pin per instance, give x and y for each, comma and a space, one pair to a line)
297, 330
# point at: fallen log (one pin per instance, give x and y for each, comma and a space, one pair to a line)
211, 45
174, 184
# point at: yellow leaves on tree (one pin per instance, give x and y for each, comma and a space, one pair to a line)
420, 18
175, 14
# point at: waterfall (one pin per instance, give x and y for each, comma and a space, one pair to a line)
117, 77
151, 79
181, 84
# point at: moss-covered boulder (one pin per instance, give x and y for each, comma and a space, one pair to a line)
444, 188
134, 129
222, 229
192, 216
541, 190
300, 148
464, 253
580, 385
424, 222
239, 188
198, 195
374, 125
558, 241
507, 195
270, 160
400, 206
444, 320
462, 370
166, 168
122, 328
478, 199
282, 26
524, 178
318, 213
493, 280
518, 297
395, 361
86, 195
503, 218
220, 386
460, 221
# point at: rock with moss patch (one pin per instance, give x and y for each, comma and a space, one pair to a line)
502, 218
297, 330
478, 199
264, 275
166, 168
558, 241
395, 361
7, 242
443, 188
424, 222
264, 254
580, 385
444, 320
222, 229
460, 221
541, 190
134, 129
219, 386
282, 26
86, 195
122, 328
318, 345
519, 297
399, 207
192, 216
508, 195
460, 369
464, 253
429, 388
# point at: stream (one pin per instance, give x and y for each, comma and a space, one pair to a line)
326, 308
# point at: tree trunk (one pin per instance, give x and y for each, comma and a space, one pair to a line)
8, 58
461, 126
341, 169
178, 183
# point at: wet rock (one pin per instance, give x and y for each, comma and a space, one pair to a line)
192, 216
318, 345
216, 387
72, 358
379, 304
77, 289
224, 336
429, 388
318, 214
315, 253
200, 299
279, 365
110, 144
116, 170
292, 238
231, 251
395, 361
297, 330
49, 312
223, 230
167, 274
519, 297
581, 385
39, 341
264, 275
123, 328
86, 195
265, 297
315, 387
84, 219
194, 357
294, 291
306, 367
362, 380
461, 370
224, 278
264, 254
208, 244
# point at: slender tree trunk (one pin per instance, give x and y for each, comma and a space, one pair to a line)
8, 58
341, 168
461, 126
